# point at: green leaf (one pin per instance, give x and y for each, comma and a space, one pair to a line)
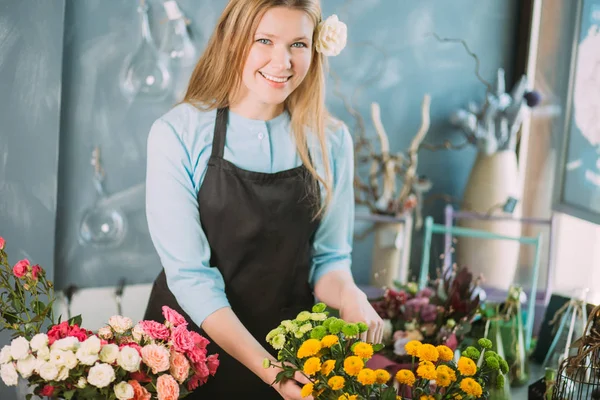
76, 320
377, 347
38, 307
29, 396
11, 319
68, 394
388, 394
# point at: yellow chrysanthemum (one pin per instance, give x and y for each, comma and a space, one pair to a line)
366, 376
445, 352
312, 366
309, 348
405, 377
412, 347
427, 352
426, 397
363, 350
327, 367
427, 371
336, 382
466, 366
307, 390
347, 396
382, 376
471, 387
329, 340
353, 365
445, 376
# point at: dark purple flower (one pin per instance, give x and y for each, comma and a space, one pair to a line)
429, 313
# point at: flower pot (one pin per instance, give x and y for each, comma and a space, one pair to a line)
493, 179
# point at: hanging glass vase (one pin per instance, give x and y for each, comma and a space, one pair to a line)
146, 75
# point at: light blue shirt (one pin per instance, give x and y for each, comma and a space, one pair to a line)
179, 146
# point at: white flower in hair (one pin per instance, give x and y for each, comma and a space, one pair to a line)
332, 35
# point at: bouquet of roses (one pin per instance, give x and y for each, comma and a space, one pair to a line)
328, 351
120, 361
441, 313
477, 372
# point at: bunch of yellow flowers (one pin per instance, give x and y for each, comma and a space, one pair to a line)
328, 351
438, 376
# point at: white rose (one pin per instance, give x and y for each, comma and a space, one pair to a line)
26, 366
105, 332
19, 348
38, 365
86, 358
137, 333
120, 324
63, 358
70, 360
91, 345
5, 354
39, 341
101, 375
81, 383
44, 353
109, 353
9, 375
48, 371
63, 373
332, 36
68, 343
124, 391
129, 359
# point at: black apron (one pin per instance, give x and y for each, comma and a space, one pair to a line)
260, 228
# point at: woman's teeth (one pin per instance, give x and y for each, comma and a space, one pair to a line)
274, 78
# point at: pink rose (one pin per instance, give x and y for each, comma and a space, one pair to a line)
139, 392
201, 369
156, 357
167, 388
155, 330
182, 339
21, 268
213, 363
197, 355
199, 340
173, 316
180, 367
36, 271
2, 243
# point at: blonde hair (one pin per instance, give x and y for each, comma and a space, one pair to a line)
218, 73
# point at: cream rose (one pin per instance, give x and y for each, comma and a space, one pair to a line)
86, 358
43, 353
63, 358
63, 373
5, 355
91, 345
48, 371
39, 341
19, 348
109, 353
120, 324
26, 366
81, 383
9, 374
331, 36
105, 332
137, 333
124, 391
68, 343
101, 375
129, 359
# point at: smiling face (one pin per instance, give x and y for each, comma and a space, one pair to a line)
278, 60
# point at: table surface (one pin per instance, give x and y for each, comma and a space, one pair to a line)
535, 373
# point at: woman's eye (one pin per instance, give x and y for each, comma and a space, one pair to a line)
299, 44
264, 41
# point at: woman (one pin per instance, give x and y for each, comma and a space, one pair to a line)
249, 193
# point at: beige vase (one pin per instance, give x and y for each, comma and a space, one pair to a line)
391, 253
492, 180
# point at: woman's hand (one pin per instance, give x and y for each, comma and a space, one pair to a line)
289, 389
355, 307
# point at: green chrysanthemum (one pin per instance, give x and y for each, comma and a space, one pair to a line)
350, 330
493, 363
278, 342
318, 316
266, 363
306, 328
490, 353
303, 316
485, 343
319, 308
289, 326
472, 353
362, 327
503, 365
336, 326
318, 332
500, 381
274, 332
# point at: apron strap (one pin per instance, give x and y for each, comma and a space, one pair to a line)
218, 144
